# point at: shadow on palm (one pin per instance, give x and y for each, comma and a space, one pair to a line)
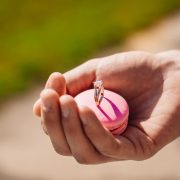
141, 85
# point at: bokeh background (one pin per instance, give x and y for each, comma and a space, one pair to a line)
38, 37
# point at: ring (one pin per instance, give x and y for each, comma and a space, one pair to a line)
98, 91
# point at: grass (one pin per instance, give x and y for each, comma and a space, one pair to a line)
38, 37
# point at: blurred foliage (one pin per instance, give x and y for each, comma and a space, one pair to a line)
38, 37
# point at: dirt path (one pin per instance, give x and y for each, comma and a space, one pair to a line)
26, 153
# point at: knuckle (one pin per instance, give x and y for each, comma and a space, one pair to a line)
145, 157
106, 151
48, 109
54, 74
148, 154
62, 151
67, 99
81, 159
110, 148
150, 149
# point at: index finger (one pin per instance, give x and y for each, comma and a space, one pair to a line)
80, 78
56, 81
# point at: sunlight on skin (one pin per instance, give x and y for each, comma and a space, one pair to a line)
149, 82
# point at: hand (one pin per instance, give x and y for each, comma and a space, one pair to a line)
150, 84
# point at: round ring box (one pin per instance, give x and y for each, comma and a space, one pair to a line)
112, 112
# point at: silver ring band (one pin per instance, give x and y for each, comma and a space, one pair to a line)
98, 91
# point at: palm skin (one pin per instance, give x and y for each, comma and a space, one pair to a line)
151, 86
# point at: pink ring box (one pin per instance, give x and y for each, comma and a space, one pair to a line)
112, 112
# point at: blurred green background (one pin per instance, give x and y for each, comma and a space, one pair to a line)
38, 37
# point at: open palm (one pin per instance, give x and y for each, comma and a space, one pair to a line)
151, 86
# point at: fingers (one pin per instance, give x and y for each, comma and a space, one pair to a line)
36, 108
80, 146
81, 78
102, 139
56, 81
52, 120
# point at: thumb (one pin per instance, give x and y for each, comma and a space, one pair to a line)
81, 77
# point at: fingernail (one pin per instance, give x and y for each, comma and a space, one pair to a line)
45, 102
46, 106
65, 112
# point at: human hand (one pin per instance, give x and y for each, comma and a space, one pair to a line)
149, 83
